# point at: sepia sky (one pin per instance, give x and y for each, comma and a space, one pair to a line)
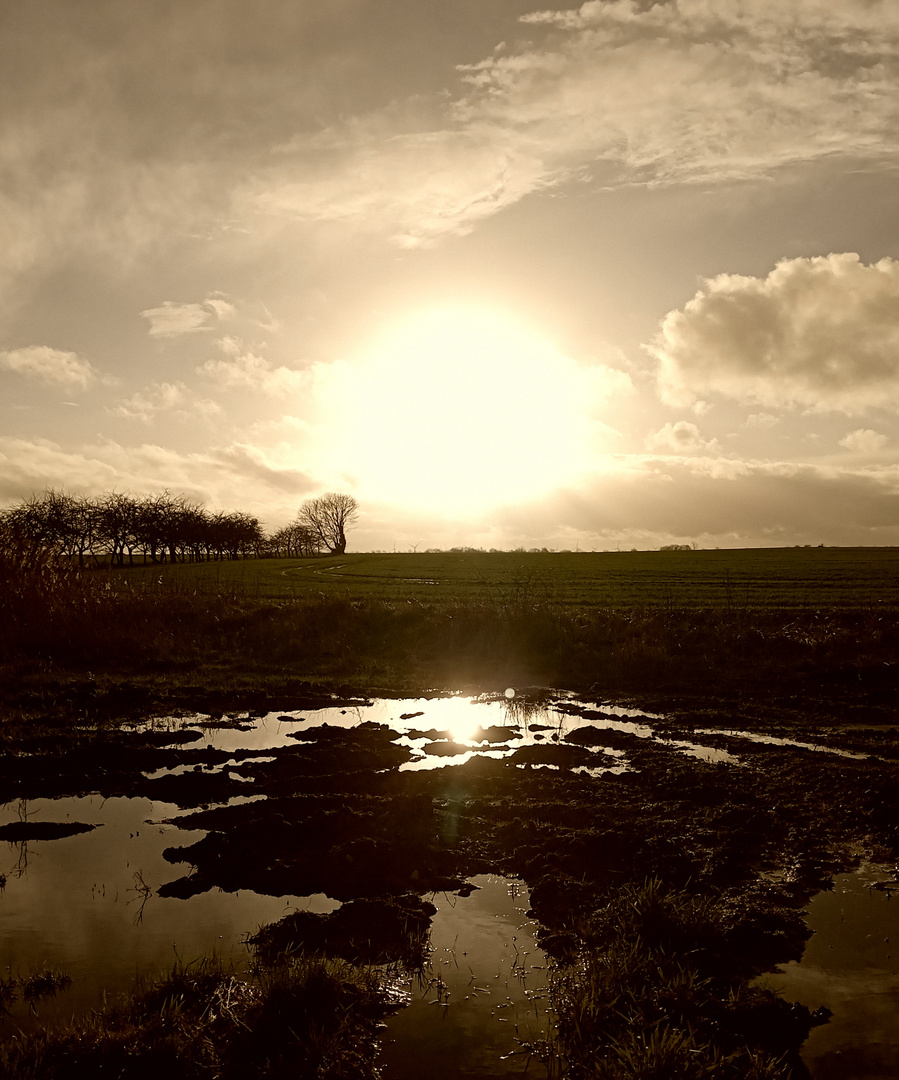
616, 274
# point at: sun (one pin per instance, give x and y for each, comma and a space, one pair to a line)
459, 409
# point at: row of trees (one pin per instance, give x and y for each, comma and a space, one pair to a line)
171, 528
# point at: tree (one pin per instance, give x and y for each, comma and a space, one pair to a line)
295, 540
327, 517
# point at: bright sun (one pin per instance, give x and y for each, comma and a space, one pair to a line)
459, 409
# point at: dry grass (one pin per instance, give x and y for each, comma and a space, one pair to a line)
308, 1017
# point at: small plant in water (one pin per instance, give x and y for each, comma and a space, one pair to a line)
32, 988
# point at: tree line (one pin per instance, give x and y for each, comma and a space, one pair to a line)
114, 528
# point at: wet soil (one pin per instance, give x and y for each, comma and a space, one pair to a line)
332, 812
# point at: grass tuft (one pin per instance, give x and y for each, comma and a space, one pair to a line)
309, 1017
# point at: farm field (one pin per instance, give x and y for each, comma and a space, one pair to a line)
755, 579
676, 749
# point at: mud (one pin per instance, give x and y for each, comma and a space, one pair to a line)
336, 811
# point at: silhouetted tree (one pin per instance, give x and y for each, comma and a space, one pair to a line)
295, 540
328, 517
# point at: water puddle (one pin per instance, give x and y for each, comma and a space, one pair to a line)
484, 998
850, 966
87, 904
777, 740
445, 731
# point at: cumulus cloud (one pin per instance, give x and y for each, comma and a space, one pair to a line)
864, 441
165, 397
821, 333
175, 320
681, 437
240, 368
50, 366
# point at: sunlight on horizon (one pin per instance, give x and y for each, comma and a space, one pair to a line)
458, 410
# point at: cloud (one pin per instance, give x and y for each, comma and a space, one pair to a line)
165, 397
761, 420
417, 185
614, 92
236, 476
175, 320
50, 366
822, 333
681, 437
241, 368
730, 504
617, 92
864, 441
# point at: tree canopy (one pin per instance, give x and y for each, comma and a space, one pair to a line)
328, 517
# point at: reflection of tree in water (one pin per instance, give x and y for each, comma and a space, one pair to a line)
143, 893
19, 846
21, 864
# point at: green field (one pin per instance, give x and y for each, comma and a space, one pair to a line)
754, 578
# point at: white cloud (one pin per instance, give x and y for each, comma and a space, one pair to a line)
864, 441
222, 307
761, 420
669, 93
237, 476
165, 397
240, 368
50, 366
681, 437
419, 185
821, 333
175, 320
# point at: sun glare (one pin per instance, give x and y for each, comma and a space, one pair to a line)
458, 410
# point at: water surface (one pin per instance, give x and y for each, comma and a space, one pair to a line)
850, 966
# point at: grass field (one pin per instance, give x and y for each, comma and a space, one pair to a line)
634, 622
799, 579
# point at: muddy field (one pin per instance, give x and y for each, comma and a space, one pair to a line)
688, 843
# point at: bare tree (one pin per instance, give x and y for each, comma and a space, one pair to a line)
328, 517
295, 540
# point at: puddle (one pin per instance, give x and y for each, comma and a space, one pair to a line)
484, 997
711, 754
850, 966
776, 740
446, 731
87, 904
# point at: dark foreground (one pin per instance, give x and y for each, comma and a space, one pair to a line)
660, 892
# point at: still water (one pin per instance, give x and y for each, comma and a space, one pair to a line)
851, 966
87, 904
484, 1001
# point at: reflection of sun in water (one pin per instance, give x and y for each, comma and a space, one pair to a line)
463, 728
458, 410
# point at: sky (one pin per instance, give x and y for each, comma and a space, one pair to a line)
587, 277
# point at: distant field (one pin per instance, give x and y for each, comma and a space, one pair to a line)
752, 578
